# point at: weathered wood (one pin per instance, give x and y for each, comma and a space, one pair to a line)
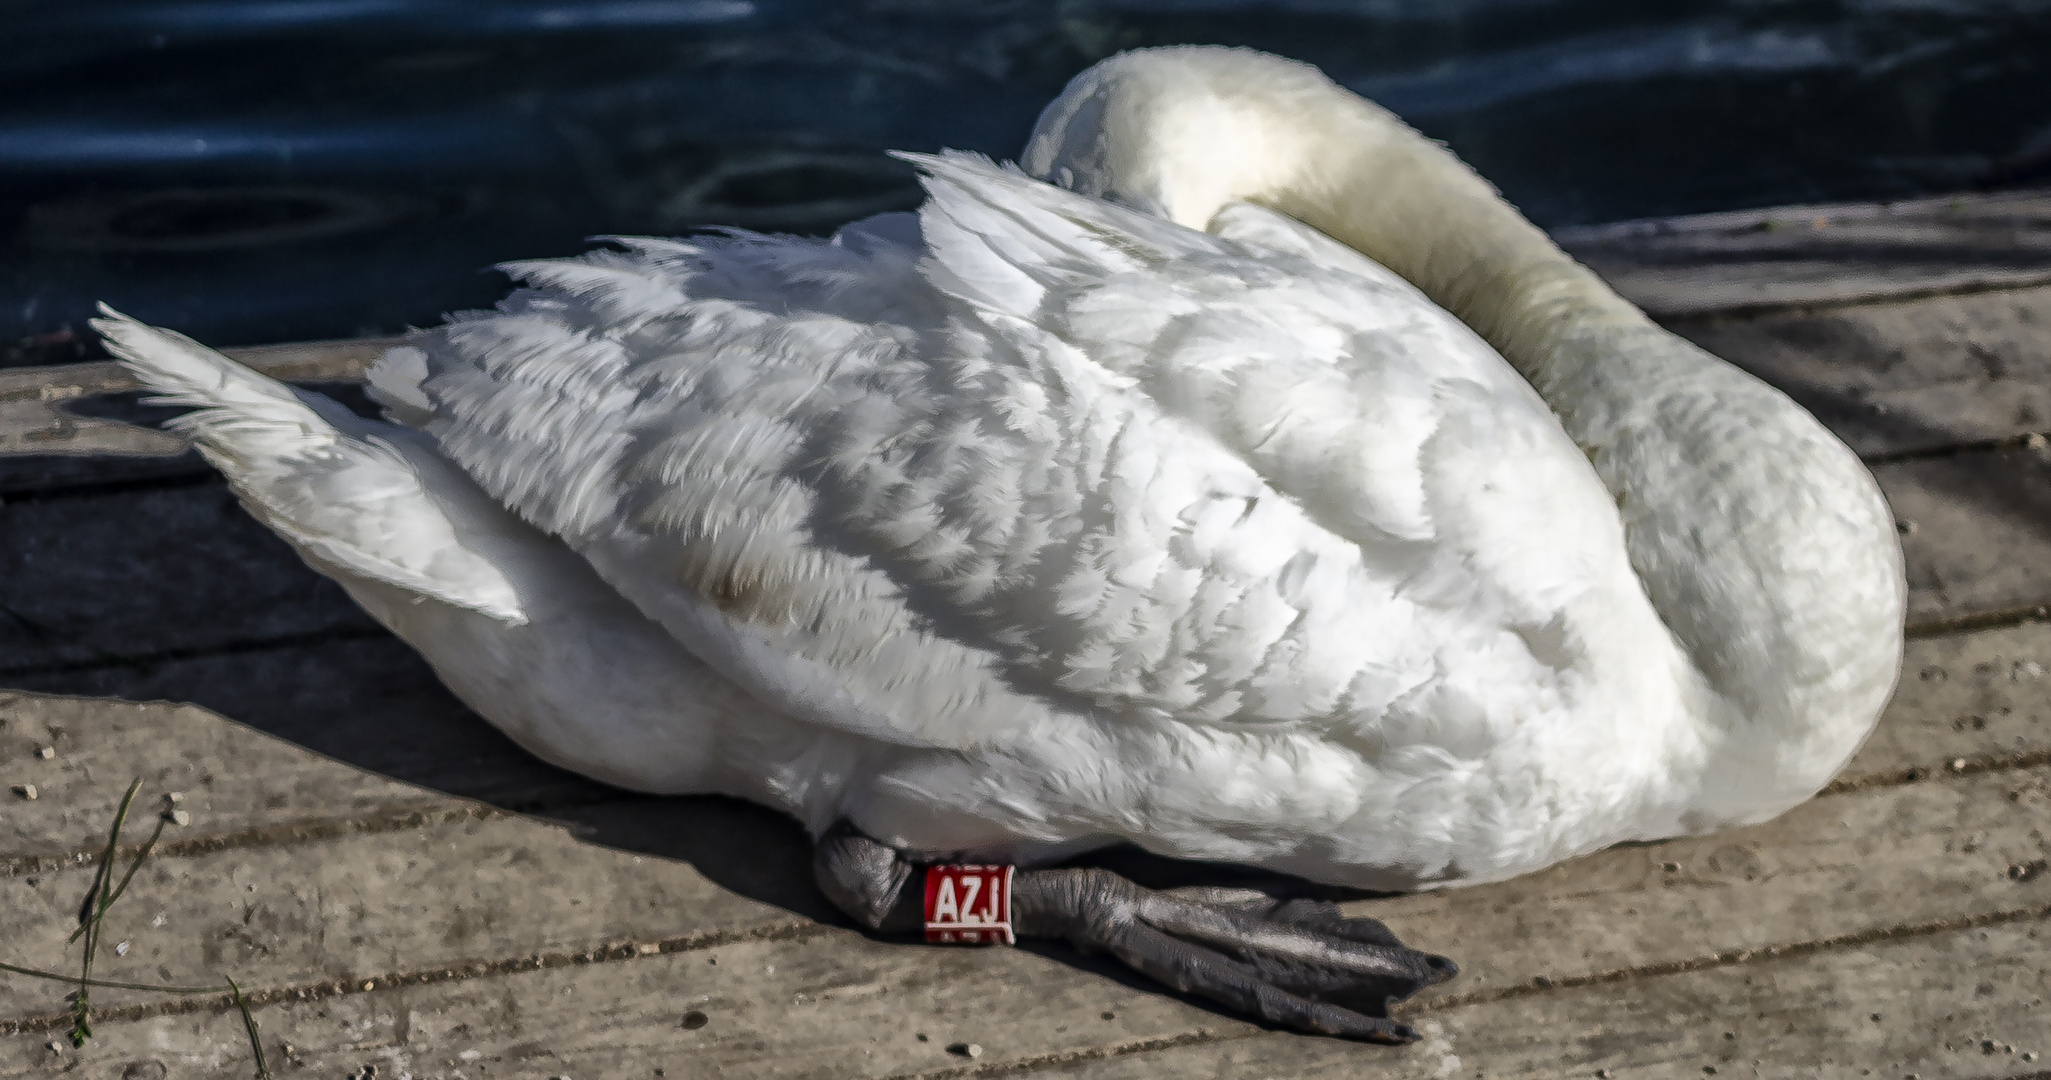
1905, 377
1826, 254
33, 421
93, 581
1970, 698
840, 1005
233, 779
399, 909
1976, 698
458, 892
371, 702
1977, 532
1945, 849
1964, 1003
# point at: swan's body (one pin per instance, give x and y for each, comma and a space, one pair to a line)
1042, 522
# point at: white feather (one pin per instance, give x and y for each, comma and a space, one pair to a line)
354, 496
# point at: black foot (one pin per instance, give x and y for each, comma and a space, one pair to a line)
1299, 964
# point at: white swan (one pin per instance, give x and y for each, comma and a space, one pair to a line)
1141, 510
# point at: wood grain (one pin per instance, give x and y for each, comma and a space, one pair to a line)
1810, 256
35, 422
1616, 933
1965, 1003
1908, 377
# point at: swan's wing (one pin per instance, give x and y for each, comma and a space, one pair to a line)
1380, 418
1058, 460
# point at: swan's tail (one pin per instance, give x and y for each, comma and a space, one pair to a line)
357, 497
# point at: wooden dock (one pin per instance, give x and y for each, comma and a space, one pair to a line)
405, 894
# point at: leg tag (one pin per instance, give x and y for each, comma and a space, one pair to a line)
968, 905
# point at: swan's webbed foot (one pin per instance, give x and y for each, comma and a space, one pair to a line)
1299, 964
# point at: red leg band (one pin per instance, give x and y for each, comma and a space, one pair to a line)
968, 905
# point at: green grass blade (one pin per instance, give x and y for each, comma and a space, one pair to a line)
133, 865
91, 913
107, 984
263, 1070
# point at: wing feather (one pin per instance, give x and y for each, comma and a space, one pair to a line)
1036, 459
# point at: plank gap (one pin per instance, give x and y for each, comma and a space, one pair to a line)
99, 489
2027, 440
309, 830
1741, 311
1068, 1059
795, 931
145, 660
1974, 622
1958, 766
1735, 957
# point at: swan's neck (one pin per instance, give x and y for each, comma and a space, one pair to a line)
1761, 541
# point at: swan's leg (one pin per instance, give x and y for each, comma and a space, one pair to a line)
1298, 964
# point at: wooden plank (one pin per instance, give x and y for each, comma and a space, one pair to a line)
1951, 679
1974, 697
234, 779
839, 1005
1843, 866
1965, 700
1824, 254
498, 893
450, 894
305, 361
1963, 1003
34, 425
100, 580
1863, 865
1977, 532
1906, 377
372, 703
46, 426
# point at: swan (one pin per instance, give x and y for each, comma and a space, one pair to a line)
1238, 476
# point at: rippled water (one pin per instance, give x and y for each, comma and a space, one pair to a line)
281, 169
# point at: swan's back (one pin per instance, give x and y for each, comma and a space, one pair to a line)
1186, 537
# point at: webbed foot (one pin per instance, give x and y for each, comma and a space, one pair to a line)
1299, 964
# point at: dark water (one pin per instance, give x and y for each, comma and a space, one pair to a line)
281, 169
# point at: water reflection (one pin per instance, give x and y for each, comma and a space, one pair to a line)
298, 168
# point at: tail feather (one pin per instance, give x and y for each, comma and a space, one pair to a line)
358, 498
240, 411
